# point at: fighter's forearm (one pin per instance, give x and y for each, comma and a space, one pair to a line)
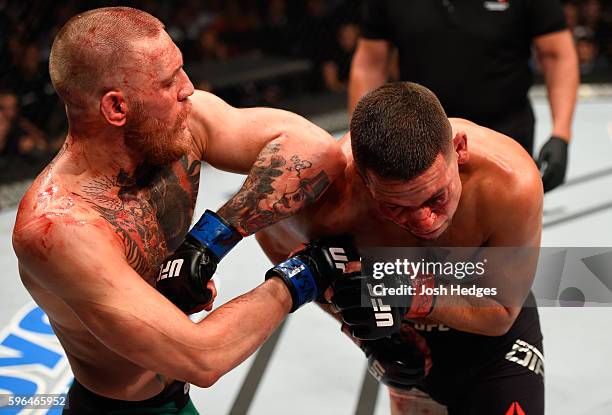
283, 180
235, 330
479, 315
560, 71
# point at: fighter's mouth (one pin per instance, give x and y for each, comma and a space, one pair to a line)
425, 234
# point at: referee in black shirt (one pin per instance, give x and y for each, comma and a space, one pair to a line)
474, 55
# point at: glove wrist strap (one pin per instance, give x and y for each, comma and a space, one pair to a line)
298, 278
558, 137
215, 233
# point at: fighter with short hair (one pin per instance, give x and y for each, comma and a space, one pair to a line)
416, 178
96, 224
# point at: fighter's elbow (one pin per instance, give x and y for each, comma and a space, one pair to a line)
201, 369
499, 329
502, 323
205, 378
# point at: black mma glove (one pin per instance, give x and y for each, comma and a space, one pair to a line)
382, 312
394, 362
184, 274
552, 162
368, 316
308, 273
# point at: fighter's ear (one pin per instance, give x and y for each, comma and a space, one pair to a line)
113, 107
460, 147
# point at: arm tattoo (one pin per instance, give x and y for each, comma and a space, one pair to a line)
299, 165
274, 189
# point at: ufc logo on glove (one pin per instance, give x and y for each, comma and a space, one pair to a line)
382, 312
170, 269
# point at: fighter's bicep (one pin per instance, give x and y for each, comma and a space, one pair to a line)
247, 131
231, 138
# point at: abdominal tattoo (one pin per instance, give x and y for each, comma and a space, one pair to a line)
259, 203
150, 210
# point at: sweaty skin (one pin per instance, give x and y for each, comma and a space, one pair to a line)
106, 214
106, 227
95, 225
499, 204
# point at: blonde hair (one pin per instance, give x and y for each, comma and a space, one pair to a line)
88, 47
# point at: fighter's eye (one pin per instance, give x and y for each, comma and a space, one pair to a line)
438, 200
389, 208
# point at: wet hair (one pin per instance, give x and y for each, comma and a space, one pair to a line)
398, 130
89, 46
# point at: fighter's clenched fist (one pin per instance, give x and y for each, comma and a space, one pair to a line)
309, 272
184, 275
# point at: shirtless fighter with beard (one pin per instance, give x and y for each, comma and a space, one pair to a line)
95, 226
410, 181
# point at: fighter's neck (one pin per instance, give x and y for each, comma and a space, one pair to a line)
354, 187
101, 156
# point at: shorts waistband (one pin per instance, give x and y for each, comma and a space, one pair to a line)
82, 399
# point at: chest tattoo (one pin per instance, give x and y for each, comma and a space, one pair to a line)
150, 209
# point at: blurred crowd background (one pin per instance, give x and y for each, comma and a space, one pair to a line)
293, 54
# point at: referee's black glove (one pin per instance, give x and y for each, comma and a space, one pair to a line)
552, 162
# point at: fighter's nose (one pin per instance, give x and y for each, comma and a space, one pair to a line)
423, 220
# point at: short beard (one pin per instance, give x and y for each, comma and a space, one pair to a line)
154, 141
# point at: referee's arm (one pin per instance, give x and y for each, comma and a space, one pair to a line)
558, 61
369, 69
